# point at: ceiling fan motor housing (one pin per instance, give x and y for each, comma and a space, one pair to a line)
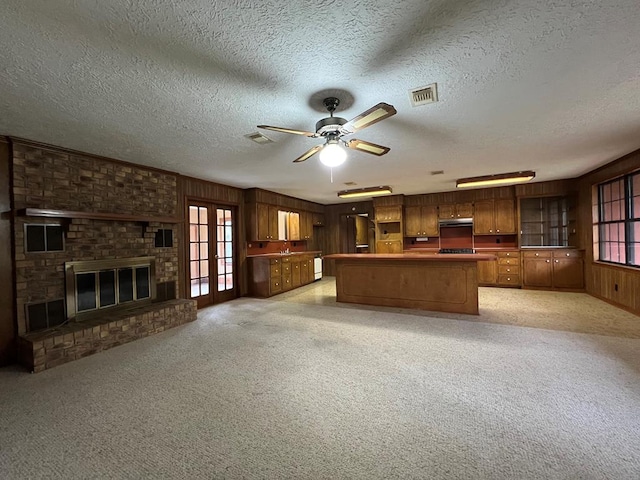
329, 124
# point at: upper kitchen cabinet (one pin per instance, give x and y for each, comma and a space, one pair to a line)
293, 225
494, 217
389, 213
421, 221
318, 219
263, 222
457, 210
547, 221
306, 225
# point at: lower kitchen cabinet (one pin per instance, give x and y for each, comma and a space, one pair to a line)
502, 272
389, 246
553, 269
272, 275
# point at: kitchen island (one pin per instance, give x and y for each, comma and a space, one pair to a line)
439, 282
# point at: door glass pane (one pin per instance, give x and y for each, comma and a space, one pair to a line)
221, 283
204, 233
195, 288
204, 251
195, 270
204, 284
193, 233
194, 251
203, 216
204, 268
193, 214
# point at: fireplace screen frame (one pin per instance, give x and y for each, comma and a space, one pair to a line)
96, 266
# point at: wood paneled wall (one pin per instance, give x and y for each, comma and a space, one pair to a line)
600, 278
332, 241
7, 301
258, 195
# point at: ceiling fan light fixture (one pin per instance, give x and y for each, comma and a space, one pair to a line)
365, 192
498, 179
332, 154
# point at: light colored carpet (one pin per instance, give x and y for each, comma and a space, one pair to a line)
301, 387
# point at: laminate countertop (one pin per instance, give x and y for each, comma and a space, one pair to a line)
283, 255
413, 257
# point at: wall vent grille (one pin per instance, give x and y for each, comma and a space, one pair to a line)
424, 95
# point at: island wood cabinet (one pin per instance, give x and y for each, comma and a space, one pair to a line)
494, 217
553, 269
389, 246
502, 272
421, 221
272, 275
457, 210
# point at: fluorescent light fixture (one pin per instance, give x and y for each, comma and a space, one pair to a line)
365, 192
332, 154
498, 179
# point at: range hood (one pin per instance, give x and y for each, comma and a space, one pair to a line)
456, 222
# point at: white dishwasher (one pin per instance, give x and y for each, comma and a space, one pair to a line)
317, 268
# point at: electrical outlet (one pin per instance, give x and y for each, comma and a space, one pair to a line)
615, 287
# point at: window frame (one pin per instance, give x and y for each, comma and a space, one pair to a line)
629, 218
45, 226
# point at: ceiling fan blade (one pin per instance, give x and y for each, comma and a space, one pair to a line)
288, 130
369, 117
309, 153
368, 147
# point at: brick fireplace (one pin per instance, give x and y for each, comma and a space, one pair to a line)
88, 222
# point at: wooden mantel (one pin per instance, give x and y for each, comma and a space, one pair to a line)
118, 217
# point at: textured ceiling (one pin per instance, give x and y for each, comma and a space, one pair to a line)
551, 85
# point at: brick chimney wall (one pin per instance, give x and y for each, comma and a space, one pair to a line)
46, 178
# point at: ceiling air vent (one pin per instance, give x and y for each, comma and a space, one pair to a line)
423, 95
258, 138
437, 172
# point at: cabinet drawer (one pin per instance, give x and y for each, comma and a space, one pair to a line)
508, 254
286, 282
509, 280
276, 270
509, 270
538, 254
276, 285
286, 268
567, 254
286, 260
508, 261
274, 261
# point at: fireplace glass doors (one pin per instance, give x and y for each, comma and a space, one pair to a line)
94, 285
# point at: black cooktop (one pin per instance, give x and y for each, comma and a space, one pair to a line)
456, 250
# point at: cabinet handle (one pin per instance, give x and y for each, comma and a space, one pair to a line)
537, 254
508, 278
508, 254
547, 261
568, 254
508, 269
497, 231
557, 261
490, 231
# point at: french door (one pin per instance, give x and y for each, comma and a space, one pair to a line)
212, 253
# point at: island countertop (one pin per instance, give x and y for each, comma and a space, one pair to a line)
413, 257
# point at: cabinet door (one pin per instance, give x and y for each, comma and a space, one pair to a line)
389, 214
430, 221
272, 222
413, 221
304, 271
483, 219
293, 232
446, 211
389, 246
296, 275
568, 273
488, 272
537, 272
318, 219
262, 222
306, 225
464, 210
505, 216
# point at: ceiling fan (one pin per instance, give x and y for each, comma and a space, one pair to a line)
332, 129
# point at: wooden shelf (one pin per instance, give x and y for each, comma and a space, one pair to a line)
119, 217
